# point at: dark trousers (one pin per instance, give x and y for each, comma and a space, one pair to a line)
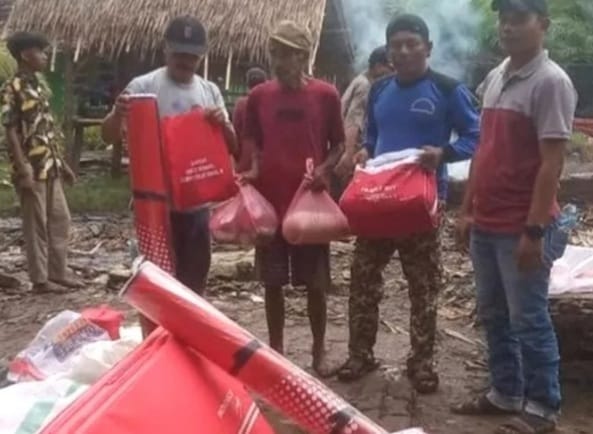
191, 243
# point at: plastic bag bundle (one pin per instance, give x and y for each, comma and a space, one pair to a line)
246, 219
313, 217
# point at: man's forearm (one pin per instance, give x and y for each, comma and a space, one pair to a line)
352, 140
468, 198
16, 149
111, 128
230, 138
546, 188
334, 156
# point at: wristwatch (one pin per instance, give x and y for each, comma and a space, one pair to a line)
535, 232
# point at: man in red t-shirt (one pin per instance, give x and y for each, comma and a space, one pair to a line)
289, 120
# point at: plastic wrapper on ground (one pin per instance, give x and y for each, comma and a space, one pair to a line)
573, 273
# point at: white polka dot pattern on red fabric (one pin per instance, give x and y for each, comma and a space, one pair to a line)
154, 246
314, 407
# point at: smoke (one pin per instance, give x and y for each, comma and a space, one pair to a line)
454, 26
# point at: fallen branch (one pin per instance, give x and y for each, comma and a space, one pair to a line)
463, 338
91, 252
395, 329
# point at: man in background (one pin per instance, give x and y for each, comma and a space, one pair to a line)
291, 119
178, 90
254, 77
511, 211
38, 169
354, 107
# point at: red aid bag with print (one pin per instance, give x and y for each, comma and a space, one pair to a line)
199, 165
313, 217
392, 197
248, 218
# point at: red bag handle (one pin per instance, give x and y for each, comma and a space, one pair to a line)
309, 167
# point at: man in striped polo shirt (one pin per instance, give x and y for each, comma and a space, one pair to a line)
511, 208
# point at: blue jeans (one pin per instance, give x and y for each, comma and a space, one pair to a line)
524, 360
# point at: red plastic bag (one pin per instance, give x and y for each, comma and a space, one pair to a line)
313, 217
248, 218
200, 168
393, 200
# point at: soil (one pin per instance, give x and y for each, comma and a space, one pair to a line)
100, 245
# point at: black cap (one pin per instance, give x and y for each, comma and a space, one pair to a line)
539, 7
21, 41
378, 57
186, 35
408, 23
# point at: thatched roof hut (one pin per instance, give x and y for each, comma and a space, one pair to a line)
238, 29
5, 8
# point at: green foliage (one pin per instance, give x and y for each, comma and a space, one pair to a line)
571, 35
93, 194
7, 63
93, 140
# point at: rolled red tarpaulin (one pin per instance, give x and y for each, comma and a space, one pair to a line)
205, 329
149, 185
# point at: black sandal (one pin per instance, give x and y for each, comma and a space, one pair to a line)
356, 368
527, 424
481, 406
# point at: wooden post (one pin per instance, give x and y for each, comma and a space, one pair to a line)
78, 48
54, 55
69, 112
227, 82
206, 67
318, 41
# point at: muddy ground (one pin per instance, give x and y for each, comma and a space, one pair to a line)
99, 246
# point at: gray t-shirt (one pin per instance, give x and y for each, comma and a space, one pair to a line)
174, 98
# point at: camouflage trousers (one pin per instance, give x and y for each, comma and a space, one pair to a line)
420, 260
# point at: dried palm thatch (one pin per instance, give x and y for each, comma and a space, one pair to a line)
113, 27
5, 7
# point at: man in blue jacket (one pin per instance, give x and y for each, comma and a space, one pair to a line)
418, 108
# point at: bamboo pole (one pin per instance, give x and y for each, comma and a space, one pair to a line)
227, 82
78, 48
206, 64
54, 54
318, 41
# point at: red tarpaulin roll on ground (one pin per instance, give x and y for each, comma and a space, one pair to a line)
161, 388
202, 327
149, 185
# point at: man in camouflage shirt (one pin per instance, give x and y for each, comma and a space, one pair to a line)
37, 166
